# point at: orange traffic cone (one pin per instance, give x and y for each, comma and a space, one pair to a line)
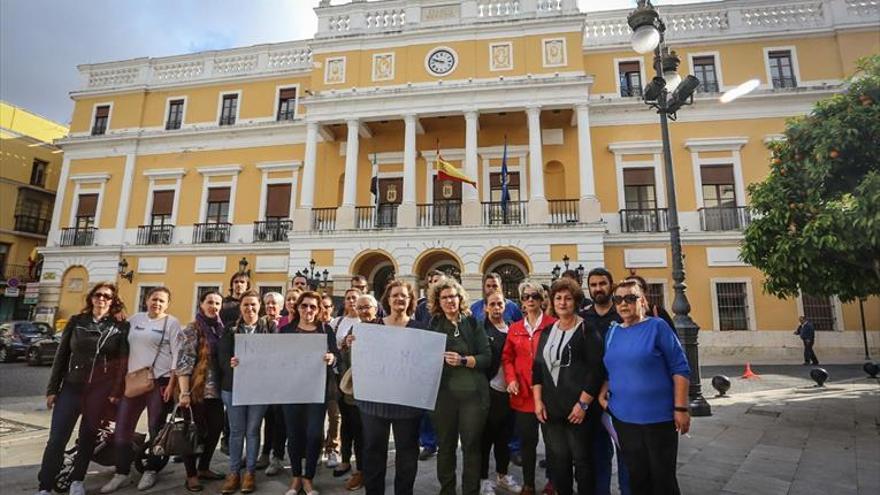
749, 374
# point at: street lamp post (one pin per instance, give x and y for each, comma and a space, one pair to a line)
648, 31
314, 276
557, 272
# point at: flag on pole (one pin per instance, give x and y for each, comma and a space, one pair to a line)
505, 183
448, 171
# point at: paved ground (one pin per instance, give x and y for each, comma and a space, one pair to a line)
775, 435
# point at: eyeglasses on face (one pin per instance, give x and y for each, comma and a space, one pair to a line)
363, 308
629, 299
103, 295
532, 295
308, 306
496, 304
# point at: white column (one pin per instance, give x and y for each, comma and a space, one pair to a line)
345, 214
406, 215
470, 208
538, 209
55, 229
124, 198
589, 208
302, 219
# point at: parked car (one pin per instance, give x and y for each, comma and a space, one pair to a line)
42, 351
16, 338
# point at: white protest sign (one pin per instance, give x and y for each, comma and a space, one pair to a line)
279, 369
397, 365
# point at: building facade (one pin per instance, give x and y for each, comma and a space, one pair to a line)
182, 166
29, 169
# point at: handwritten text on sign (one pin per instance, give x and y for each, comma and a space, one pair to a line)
279, 369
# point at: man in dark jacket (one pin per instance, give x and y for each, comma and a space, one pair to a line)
807, 332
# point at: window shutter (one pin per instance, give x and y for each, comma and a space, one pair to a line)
287, 94
278, 200
716, 174
708, 60
638, 176
218, 195
625, 67
163, 202
102, 111
88, 205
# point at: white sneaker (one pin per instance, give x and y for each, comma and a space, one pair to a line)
77, 488
332, 460
509, 483
275, 467
147, 480
487, 487
114, 484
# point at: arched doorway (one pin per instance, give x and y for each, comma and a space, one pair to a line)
511, 277
380, 280
511, 264
74, 287
377, 266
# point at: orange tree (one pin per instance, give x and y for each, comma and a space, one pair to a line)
816, 225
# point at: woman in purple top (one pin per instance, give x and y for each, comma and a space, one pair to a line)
646, 392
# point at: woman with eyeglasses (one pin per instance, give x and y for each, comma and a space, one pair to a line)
566, 377
305, 422
463, 398
517, 358
87, 379
646, 392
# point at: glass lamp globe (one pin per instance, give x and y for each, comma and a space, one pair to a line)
673, 79
645, 39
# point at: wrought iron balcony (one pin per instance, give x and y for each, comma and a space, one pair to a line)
323, 219
34, 225
647, 220
724, 218
564, 211
369, 217
272, 230
155, 234
78, 236
210, 233
440, 213
496, 213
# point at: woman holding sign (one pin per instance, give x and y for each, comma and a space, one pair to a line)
305, 422
463, 398
244, 421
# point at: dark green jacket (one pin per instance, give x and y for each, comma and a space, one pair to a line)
473, 342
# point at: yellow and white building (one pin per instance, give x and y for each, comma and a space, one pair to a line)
29, 168
184, 165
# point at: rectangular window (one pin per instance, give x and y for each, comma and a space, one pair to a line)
639, 190
704, 69
495, 186
201, 290
630, 74
102, 116
175, 115
218, 205
228, 109
287, 104
718, 186
820, 311
86, 210
38, 173
265, 289
278, 201
142, 297
733, 305
781, 69
163, 207
656, 295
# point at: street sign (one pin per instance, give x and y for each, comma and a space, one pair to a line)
13, 282
11, 291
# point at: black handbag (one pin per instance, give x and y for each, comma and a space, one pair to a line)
179, 436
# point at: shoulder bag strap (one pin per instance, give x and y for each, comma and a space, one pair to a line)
161, 341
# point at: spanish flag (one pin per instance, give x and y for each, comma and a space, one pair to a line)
448, 171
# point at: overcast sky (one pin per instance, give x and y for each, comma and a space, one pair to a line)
42, 41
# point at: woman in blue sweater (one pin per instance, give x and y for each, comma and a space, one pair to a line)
646, 392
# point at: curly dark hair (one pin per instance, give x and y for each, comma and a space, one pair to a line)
117, 307
565, 285
386, 304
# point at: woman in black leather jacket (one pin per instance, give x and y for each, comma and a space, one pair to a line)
88, 377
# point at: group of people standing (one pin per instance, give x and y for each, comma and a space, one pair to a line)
552, 365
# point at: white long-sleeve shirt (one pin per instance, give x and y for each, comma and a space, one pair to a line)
144, 336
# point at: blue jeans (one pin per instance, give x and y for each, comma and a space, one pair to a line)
305, 432
603, 452
427, 435
244, 422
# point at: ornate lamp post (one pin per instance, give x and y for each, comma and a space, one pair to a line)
124, 272
558, 271
314, 276
243, 266
667, 93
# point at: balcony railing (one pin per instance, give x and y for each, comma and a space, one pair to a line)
649, 220
563, 211
323, 219
34, 225
438, 213
784, 82
210, 233
272, 230
78, 236
369, 217
724, 218
155, 234
496, 213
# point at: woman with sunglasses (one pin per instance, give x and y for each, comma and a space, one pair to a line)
463, 398
517, 358
646, 392
87, 378
567, 375
305, 422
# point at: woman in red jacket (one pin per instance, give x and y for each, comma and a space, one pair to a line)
516, 359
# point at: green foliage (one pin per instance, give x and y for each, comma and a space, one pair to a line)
816, 224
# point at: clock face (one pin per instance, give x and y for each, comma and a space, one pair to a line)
441, 61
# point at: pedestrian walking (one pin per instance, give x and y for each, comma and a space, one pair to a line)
807, 333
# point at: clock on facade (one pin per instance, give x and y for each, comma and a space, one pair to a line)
441, 61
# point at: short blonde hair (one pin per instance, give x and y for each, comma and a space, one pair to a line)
448, 283
535, 286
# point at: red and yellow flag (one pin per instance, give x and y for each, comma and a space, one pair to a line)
448, 171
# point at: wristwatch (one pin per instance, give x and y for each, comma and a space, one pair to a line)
681, 409
463, 360
584, 406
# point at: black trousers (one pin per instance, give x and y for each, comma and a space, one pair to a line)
210, 418
569, 445
809, 355
406, 457
352, 434
274, 432
497, 434
527, 427
650, 452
